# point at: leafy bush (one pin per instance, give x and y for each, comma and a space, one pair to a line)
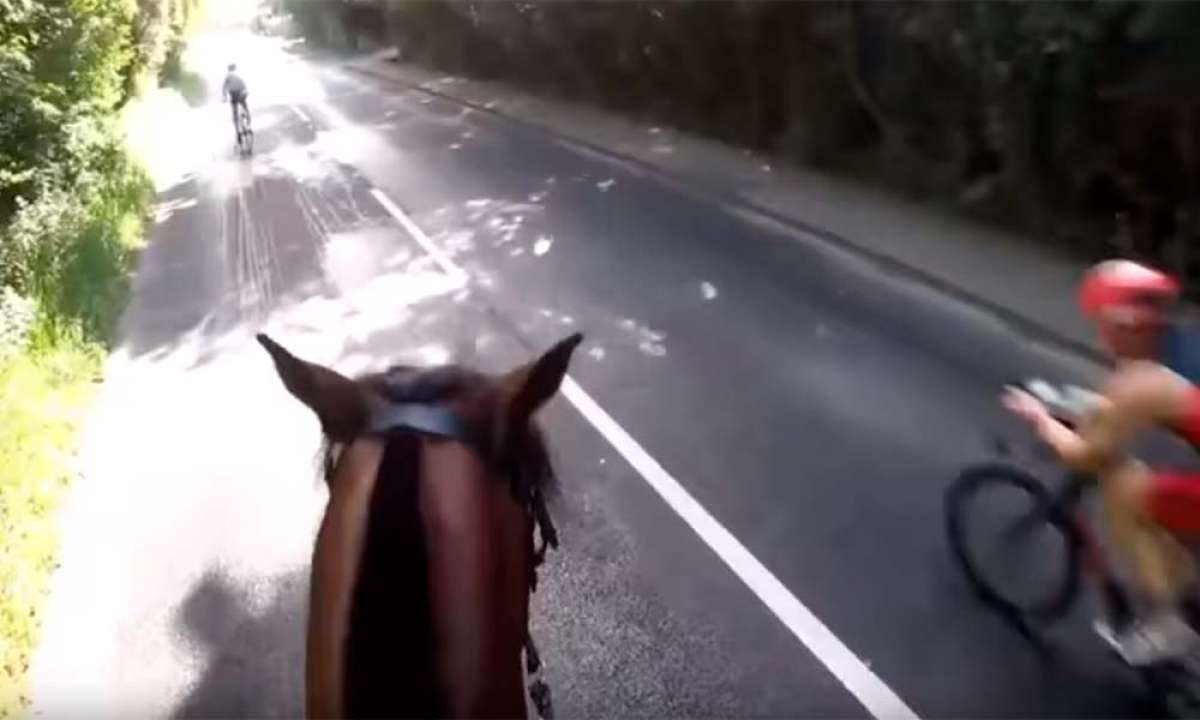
16, 319
72, 254
72, 209
70, 197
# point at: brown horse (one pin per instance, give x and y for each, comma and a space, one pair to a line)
425, 559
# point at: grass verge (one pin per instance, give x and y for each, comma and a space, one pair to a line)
71, 259
44, 394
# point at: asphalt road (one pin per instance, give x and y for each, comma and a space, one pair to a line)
813, 404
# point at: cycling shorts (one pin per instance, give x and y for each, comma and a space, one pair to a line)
1174, 500
1175, 495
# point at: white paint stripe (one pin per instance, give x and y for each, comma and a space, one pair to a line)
441, 258
853, 673
300, 114
877, 697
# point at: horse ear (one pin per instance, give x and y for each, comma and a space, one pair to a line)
527, 388
337, 400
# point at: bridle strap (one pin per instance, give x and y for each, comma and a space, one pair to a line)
437, 420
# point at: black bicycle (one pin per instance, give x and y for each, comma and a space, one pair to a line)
1025, 547
245, 134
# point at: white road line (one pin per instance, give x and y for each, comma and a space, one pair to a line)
853, 673
300, 114
877, 697
442, 259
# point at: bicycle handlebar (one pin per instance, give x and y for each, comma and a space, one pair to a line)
1067, 403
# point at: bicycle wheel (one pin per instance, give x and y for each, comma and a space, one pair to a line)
245, 134
1017, 548
1176, 687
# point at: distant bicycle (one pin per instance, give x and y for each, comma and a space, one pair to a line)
1025, 545
245, 134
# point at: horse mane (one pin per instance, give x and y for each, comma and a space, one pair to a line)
386, 607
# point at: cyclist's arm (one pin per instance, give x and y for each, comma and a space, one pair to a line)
1141, 394
1098, 441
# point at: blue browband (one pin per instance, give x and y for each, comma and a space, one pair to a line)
437, 420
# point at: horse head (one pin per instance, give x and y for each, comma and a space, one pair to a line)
426, 555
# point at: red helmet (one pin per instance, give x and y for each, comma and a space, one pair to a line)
1126, 287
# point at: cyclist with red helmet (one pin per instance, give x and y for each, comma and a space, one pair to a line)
1132, 307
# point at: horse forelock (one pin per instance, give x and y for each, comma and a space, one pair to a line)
526, 463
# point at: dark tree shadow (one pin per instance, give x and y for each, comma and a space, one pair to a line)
254, 660
192, 87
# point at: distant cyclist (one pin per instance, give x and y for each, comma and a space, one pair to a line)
234, 89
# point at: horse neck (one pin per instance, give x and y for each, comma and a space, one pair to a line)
441, 601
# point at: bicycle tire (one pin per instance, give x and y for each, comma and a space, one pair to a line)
957, 502
1176, 688
245, 133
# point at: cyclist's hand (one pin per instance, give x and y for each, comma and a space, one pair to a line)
1025, 406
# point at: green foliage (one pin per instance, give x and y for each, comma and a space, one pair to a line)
71, 250
72, 209
70, 198
62, 65
70, 254
66, 66
161, 29
16, 320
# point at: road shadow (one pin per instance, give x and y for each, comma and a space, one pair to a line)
253, 658
191, 86
229, 251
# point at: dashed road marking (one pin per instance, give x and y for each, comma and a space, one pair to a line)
300, 114
441, 258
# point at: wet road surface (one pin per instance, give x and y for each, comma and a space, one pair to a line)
812, 404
